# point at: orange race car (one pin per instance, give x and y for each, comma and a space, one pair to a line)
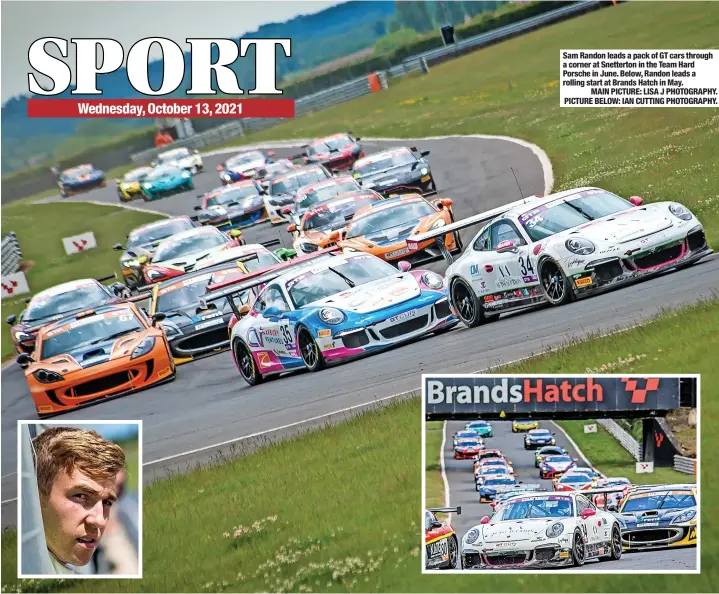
319, 223
97, 354
440, 540
382, 229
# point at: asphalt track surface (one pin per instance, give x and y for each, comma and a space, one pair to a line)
462, 492
193, 418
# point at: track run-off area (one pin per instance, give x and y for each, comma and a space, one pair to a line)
210, 409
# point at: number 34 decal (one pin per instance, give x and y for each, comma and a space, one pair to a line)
525, 266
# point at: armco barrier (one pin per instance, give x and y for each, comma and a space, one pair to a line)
627, 441
362, 86
11, 254
685, 465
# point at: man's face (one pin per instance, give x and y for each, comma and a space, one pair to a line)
76, 514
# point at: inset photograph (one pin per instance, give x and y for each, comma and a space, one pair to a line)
80, 499
568, 473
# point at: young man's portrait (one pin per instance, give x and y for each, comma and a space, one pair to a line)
81, 480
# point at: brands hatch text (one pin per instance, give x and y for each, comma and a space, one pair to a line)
531, 390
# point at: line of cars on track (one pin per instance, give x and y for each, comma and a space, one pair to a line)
347, 287
586, 517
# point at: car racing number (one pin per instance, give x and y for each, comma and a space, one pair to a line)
287, 338
439, 548
525, 266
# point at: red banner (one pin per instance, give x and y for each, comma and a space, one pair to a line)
161, 108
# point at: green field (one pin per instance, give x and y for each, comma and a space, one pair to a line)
40, 229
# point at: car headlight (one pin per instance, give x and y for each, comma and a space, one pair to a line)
555, 530
330, 315
308, 247
186, 174
147, 185
432, 280
131, 263
680, 212
472, 536
145, 346
47, 377
438, 224
226, 176
424, 171
170, 330
580, 246
684, 516
21, 336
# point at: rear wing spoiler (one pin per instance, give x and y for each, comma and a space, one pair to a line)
446, 510
438, 234
107, 278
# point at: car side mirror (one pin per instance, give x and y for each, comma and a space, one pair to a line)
118, 247
119, 289
271, 153
272, 312
484, 520
404, 266
286, 210
447, 202
244, 310
335, 236
506, 246
197, 207
291, 228
24, 360
142, 259
588, 512
235, 233
158, 317
611, 507
636, 201
11, 319
424, 153
219, 168
435, 524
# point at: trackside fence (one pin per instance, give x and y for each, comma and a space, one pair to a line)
11, 254
685, 465
627, 441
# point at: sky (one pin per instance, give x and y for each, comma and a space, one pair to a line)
127, 21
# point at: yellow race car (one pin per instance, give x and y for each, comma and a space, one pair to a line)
524, 425
128, 188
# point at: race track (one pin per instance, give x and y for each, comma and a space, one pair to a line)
462, 492
210, 404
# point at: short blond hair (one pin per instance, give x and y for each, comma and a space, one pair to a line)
69, 449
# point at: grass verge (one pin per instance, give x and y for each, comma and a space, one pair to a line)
338, 510
433, 477
40, 229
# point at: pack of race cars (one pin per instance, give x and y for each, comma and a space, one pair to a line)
585, 516
348, 287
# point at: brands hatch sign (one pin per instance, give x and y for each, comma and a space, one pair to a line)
547, 396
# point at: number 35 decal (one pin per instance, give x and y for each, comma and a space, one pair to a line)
525, 266
286, 334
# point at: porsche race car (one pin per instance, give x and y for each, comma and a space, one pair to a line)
542, 453
182, 158
55, 303
337, 307
280, 191
396, 171
440, 540
94, 355
129, 187
557, 248
494, 484
536, 438
467, 448
554, 465
336, 152
313, 194
539, 529
82, 178
245, 165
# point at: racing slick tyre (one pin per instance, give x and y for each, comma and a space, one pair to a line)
557, 288
616, 545
466, 304
453, 548
246, 364
578, 552
311, 355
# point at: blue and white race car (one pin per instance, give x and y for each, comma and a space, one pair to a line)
337, 307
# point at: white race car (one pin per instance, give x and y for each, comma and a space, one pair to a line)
542, 530
183, 158
564, 246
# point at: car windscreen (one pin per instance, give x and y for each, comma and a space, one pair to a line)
88, 331
174, 156
659, 501
246, 158
384, 162
83, 297
333, 216
327, 192
577, 209
137, 174
182, 293
325, 282
535, 507
160, 172
188, 245
388, 218
157, 232
234, 197
289, 183
327, 145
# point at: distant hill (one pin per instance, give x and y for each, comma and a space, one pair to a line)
318, 38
